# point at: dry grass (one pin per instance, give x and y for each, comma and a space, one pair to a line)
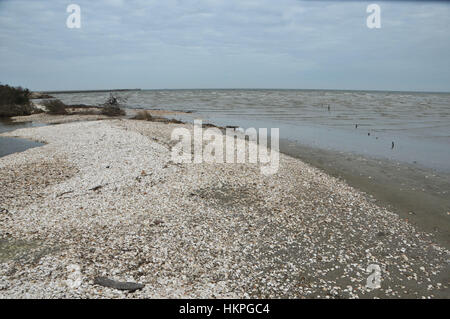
144, 116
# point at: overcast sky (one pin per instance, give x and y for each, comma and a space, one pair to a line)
225, 44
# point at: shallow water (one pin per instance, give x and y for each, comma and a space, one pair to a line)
417, 123
10, 145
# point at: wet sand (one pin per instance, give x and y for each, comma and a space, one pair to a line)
419, 195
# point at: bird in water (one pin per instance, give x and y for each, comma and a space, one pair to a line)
392, 147
356, 125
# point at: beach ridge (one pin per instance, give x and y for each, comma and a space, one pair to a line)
111, 201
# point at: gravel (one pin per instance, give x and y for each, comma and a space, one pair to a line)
103, 199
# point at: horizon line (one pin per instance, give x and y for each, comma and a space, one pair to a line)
249, 89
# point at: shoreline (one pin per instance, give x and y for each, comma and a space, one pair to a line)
311, 234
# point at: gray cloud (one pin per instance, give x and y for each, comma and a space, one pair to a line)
229, 43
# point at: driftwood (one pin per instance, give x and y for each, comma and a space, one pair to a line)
96, 188
59, 195
106, 282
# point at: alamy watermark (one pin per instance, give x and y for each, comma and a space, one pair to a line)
74, 278
373, 21
208, 146
74, 19
374, 279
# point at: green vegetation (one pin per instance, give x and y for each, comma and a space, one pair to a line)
15, 101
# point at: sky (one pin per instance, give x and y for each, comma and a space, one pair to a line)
175, 44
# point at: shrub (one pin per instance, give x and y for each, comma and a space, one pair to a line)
14, 95
111, 107
146, 116
55, 107
112, 100
15, 101
17, 110
143, 115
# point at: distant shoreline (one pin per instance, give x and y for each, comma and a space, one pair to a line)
237, 89
86, 91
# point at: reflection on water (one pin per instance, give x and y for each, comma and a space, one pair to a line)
418, 123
